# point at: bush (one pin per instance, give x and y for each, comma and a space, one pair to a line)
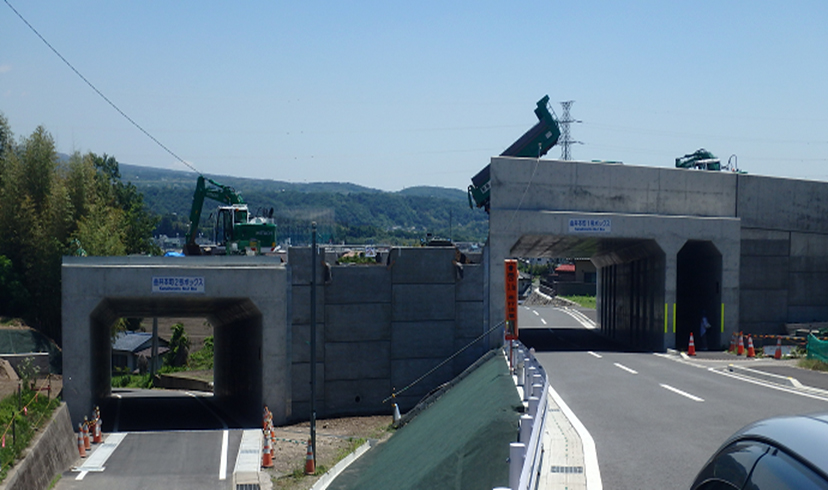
17, 436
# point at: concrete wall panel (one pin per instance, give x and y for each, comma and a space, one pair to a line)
414, 340
417, 302
300, 342
300, 304
763, 306
359, 396
358, 322
428, 265
802, 291
359, 284
764, 272
470, 287
469, 319
357, 360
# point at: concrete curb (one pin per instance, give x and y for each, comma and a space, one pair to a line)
338, 468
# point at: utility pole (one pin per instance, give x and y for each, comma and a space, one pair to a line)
566, 137
314, 258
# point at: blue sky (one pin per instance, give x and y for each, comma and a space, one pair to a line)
395, 94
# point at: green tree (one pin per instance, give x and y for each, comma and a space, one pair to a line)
179, 347
137, 222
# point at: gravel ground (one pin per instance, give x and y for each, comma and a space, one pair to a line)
335, 438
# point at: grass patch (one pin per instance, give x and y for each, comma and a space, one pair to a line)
812, 364
19, 425
132, 381
584, 301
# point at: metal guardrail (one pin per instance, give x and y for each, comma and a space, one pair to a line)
526, 455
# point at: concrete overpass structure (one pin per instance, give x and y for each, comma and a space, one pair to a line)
750, 251
379, 328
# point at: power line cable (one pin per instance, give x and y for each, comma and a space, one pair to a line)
104, 97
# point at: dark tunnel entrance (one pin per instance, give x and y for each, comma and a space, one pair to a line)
237, 367
698, 292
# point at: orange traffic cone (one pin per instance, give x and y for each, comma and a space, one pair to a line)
691, 349
751, 352
267, 455
97, 437
310, 464
81, 448
85, 431
741, 348
732, 347
778, 353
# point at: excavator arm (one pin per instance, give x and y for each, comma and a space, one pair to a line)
217, 192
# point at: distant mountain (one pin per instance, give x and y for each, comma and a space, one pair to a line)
344, 212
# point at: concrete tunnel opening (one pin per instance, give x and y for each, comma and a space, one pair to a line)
699, 292
630, 279
237, 358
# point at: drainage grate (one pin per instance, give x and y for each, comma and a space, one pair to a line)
567, 469
248, 486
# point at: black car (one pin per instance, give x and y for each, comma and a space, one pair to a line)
779, 453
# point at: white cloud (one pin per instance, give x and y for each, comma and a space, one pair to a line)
5, 68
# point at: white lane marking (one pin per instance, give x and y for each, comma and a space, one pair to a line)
625, 368
536, 312
579, 317
593, 354
682, 393
543, 321
591, 469
223, 460
101, 454
768, 385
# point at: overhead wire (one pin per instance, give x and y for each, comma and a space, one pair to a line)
95, 89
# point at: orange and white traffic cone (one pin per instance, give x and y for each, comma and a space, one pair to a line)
691, 348
81, 448
97, 437
778, 353
741, 348
310, 464
85, 431
750, 351
732, 347
267, 454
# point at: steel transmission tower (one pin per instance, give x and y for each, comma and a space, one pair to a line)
566, 140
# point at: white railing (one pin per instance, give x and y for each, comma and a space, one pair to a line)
526, 455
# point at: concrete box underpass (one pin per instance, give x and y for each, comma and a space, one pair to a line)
378, 327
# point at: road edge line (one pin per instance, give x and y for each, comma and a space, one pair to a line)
591, 468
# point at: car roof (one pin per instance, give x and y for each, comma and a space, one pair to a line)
802, 436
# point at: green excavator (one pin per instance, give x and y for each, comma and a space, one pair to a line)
236, 231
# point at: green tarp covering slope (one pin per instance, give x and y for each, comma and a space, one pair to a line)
459, 442
817, 349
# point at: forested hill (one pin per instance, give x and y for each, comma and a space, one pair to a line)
344, 212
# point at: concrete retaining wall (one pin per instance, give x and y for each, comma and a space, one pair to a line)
381, 327
53, 451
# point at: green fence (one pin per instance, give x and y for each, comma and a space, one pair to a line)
817, 349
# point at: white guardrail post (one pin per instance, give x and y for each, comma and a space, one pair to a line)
525, 457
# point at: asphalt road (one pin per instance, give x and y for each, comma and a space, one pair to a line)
655, 419
161, 439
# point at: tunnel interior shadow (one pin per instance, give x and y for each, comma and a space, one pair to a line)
571, 340
143, 410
